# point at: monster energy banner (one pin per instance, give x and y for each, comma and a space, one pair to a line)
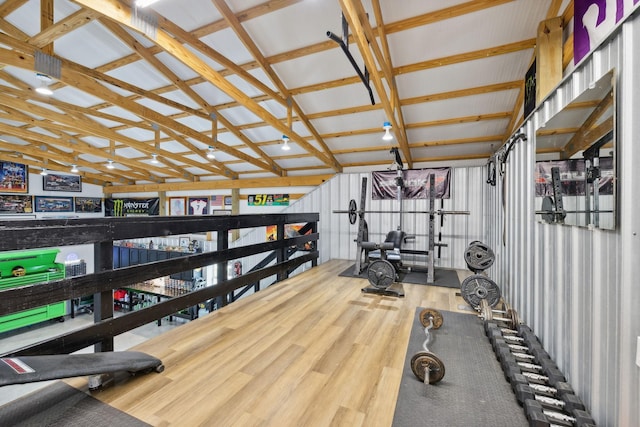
416, 184
132, 207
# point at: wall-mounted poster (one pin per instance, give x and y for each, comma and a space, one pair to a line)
132, 207
57, 182
198, 205
13, 177
15, 204
268, 200
88, 204
416, 184
177, 206
53, 204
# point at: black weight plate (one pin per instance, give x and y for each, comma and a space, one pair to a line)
479, 257
424, 359
548, 207
477, 287
352, 211
381, 273
431, 313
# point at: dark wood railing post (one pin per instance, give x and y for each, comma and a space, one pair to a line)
103, 301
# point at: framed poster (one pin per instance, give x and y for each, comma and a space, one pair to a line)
88, 204
57, 182
13, 177
177, 206
15, 204
53, 204
198, 205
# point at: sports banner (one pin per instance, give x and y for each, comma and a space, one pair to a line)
594, 20
415, 181
132, 207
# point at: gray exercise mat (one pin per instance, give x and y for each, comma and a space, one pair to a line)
443, 277
59, 404
473, 391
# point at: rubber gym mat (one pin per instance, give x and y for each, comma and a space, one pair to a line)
473, 391
59, 404
443, 277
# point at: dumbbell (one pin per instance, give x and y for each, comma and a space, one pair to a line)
566, 402
426, 366
507, 316
540, 417
546, 373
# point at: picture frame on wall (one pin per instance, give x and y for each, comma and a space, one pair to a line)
88, 204
14, 177
58, 182
198, 205
15, 204
53, 204
177, 206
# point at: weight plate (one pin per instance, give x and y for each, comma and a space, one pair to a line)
477, 287
479, 257
381, 273
425, 360
548, 207
352, 211
431, 313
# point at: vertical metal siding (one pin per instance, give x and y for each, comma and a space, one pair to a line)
574, 286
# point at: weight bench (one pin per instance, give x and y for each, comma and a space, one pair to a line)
392, 248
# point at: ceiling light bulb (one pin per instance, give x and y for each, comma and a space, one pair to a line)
210, 154
154, 158
285, 143
110, 164
74, 169
144, 3
387, 131
45, 81
44, 172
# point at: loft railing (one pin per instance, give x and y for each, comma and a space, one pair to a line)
103, 232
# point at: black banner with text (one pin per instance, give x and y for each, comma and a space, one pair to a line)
132, 207
416, 184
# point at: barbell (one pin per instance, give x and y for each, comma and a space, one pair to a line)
425, 365
353, 212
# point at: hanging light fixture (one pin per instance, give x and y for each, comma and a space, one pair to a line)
387, 131
110, 164
154, 159
45, 81
74, 169
44, 172
210, 153
285, 143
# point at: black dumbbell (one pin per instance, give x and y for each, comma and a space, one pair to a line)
567, 402
547, 373
540, 417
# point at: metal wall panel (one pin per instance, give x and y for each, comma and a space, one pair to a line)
576, 286
337, 236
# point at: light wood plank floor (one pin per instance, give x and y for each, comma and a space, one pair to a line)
310, 351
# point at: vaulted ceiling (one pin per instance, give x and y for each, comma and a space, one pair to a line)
180, 78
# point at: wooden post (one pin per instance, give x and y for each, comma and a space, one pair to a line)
548, 57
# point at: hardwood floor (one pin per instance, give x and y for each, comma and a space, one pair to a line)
310, 351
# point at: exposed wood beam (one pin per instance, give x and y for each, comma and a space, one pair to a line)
115, 11
242, 34
288, 181
10, 6
53, 31
577, 142
46, 22
358, 21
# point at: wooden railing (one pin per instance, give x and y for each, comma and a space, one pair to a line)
104, 231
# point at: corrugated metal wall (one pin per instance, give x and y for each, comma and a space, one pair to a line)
468, 193
574, 286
